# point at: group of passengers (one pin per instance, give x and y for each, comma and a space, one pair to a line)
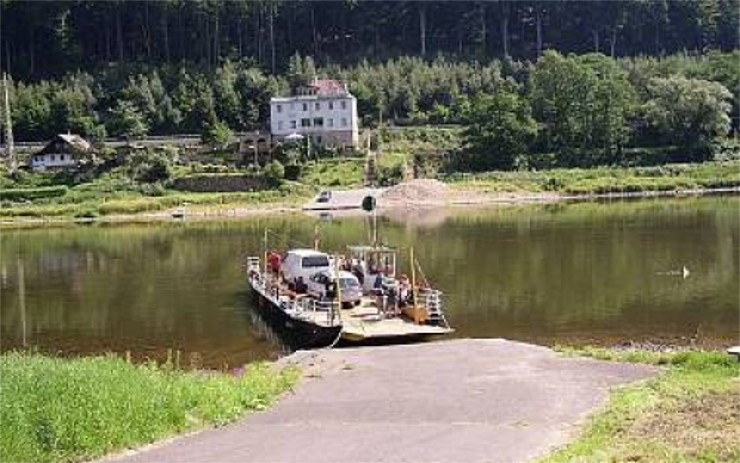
392, 294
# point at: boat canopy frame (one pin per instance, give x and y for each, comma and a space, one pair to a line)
376, 258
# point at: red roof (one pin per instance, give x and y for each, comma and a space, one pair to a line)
328, 86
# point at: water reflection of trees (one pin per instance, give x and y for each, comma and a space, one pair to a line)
507, 271
574, 266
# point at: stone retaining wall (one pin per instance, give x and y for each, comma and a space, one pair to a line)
217, 183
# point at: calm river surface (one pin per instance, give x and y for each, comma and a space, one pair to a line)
583, 272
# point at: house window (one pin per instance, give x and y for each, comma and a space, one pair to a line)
53, 157
331, 105
317, 106
280, 125
305, 106
279, 108
306, 122
61, 157
344, 122
318, 139
292, 124
318, 122
344, 104
330, 122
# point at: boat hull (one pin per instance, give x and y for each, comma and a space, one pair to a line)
296, 333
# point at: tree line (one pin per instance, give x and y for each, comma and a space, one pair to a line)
559, 103
50, 39
592, 110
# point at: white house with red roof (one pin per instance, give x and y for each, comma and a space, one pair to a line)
324, 111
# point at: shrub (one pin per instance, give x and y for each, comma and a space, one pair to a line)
217, 134
150, 166
390, 175
274, 171
292, 172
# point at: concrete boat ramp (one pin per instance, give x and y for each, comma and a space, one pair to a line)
342, 199
449, 401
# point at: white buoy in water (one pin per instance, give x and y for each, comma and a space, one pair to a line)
685, 272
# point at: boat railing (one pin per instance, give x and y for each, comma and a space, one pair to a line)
431, 300
330, 308
298, 305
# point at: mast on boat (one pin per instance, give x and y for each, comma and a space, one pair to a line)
264, 244
8, 125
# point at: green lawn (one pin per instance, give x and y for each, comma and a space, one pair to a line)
60, 410
690, 413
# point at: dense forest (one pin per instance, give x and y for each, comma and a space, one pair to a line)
152, 68
45, 39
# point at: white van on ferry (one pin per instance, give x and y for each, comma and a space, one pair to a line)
303, 263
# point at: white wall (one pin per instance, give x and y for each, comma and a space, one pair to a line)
40, 162
292, 111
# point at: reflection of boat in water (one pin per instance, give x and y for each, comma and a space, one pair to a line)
266, 331
391, 307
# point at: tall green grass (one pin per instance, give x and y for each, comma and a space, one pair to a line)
686, 414
55, 409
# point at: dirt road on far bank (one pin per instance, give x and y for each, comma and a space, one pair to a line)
455, 401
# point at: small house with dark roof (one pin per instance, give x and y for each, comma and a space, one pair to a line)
324, 111
63, 152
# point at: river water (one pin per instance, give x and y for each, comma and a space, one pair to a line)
584, 272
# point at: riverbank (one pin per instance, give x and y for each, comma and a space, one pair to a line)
689, 413
55, 409
464, 190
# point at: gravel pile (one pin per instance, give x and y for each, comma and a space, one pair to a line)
419, 190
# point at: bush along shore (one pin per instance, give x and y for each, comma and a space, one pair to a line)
61, 410
689, 413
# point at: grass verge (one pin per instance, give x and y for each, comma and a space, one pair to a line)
604, 180
55, 409
130, 203
691, 413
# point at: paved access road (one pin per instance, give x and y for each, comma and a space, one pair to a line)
455, 401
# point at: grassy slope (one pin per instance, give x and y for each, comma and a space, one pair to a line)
691, 413
606, 179
340, 172
67, 410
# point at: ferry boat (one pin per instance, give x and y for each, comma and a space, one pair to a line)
351, 298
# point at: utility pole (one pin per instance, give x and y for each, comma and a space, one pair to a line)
9, 152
